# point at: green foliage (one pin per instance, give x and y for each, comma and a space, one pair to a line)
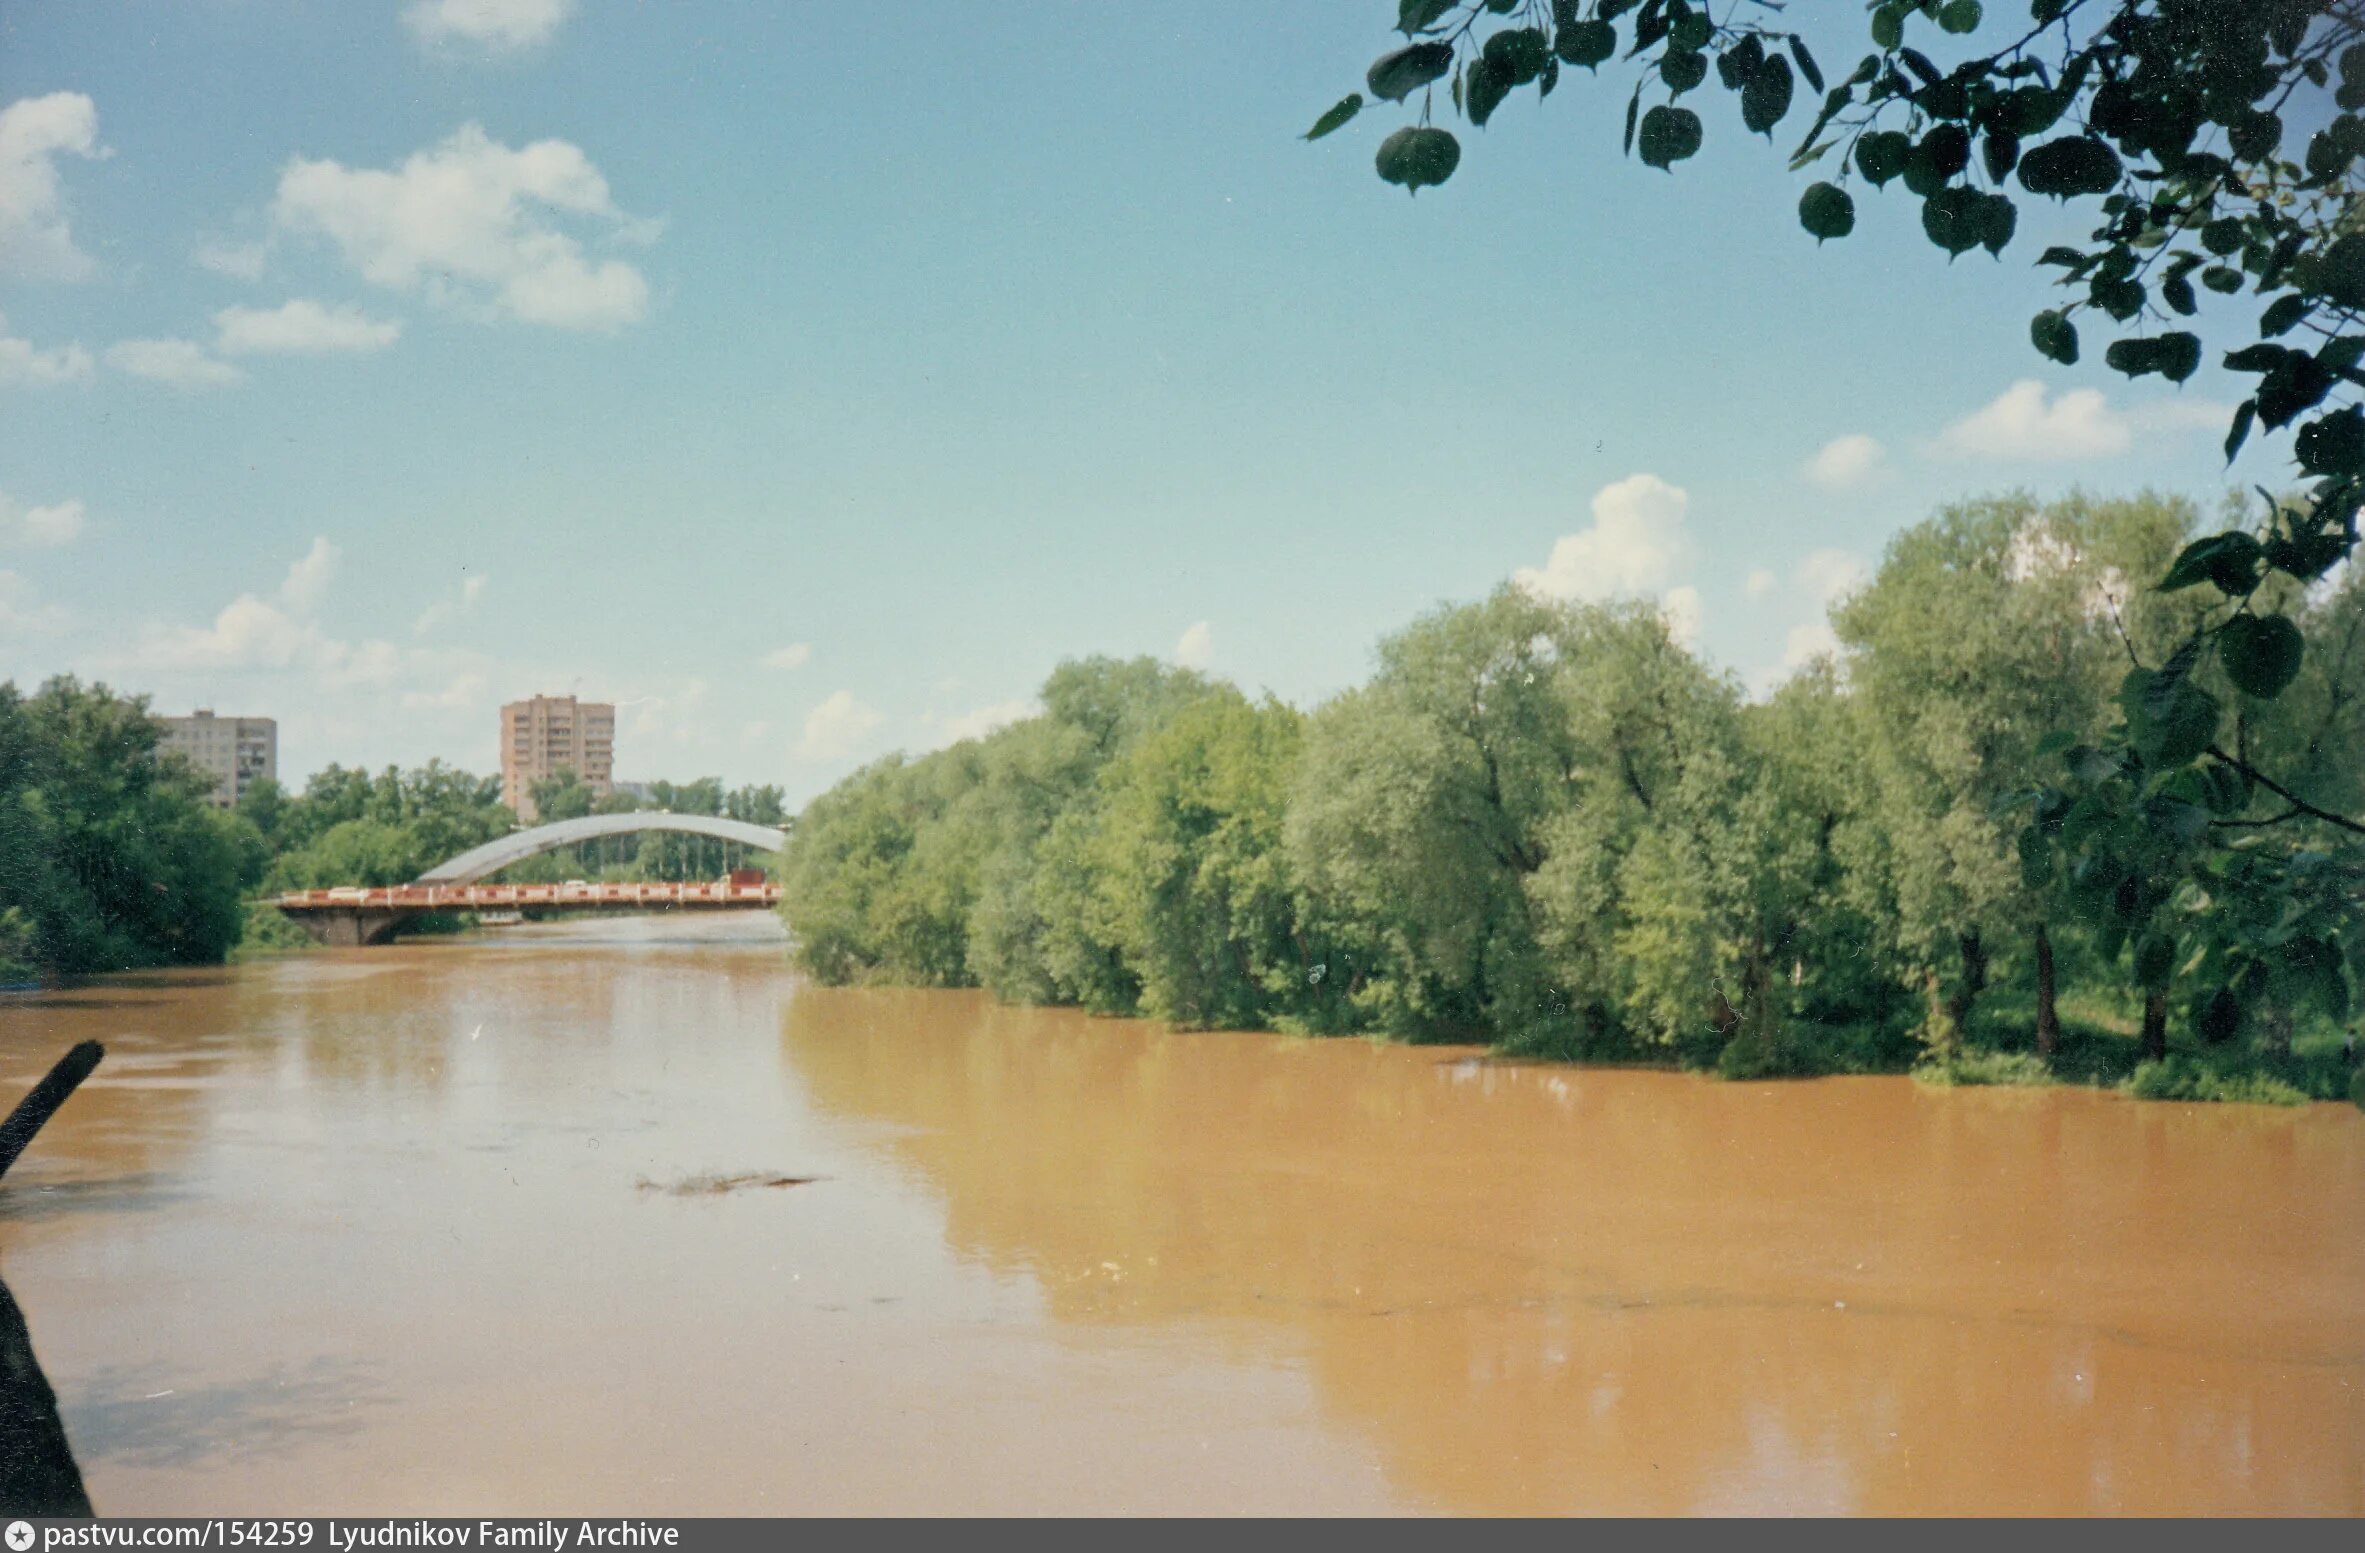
111, 855
1977, 1068
2172, 126
2184, 1078
1552, 828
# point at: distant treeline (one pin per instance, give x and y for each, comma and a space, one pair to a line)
1552, 828
113, 858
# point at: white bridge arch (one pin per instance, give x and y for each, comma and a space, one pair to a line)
517, 846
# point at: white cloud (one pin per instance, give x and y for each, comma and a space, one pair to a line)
435, 614
22, 613
2023, 423
1196, 646
300, 327
794, 656
174, 363
1806, 643
498, 26
984, 720
470, 222
1827, 575
836, 728
462, 691
1635, 541
1846, 462
36, 239
308, 578
1761, 582
39, 528
21, 362
1682, 608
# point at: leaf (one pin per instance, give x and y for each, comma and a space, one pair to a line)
1415, 157
1806, 63
2334, 444
1633, 104
2071, 166
2055, 336
1959, 16
1420, 15
1341, 111
1951, 218
1484, 87
1669, 135
2230, 560
1682, 71
1587, 43
1519, 52
1767, 97
2261, 654
1881, 155
1396, 76
2240, 432
2181, 731
1826, 211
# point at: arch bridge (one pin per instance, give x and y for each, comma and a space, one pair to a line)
357, 915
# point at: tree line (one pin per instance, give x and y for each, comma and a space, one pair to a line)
113, 856
1552, 828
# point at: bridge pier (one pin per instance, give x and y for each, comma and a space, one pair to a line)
351, 928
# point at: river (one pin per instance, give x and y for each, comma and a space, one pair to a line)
435, 1228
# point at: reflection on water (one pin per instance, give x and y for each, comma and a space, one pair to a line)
374, 1223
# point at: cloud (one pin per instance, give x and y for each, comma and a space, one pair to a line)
1826, 575
1846, 462
435, 614
471, 222
36, 239
1820, 579
308, 578
2023, 423
1681, 607
1761, 582
794, 656
174, 363
1196, 646
21, 611
836, 728
39, 528
300, 327
497, 26
1635, 541
21, 362
984, 720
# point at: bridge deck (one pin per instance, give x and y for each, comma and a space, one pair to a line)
585, 897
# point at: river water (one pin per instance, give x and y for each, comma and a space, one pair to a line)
435, 1228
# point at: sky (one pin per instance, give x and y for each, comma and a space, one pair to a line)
811, 380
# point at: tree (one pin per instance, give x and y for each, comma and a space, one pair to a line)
112, 855
1419, 811
1986, 628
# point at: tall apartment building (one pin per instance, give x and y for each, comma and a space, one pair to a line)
236, 752
541, 737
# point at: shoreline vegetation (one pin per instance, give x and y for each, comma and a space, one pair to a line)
1548, 828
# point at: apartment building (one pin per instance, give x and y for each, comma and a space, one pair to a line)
548, 734
236, 752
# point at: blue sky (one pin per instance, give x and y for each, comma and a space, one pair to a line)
812, 379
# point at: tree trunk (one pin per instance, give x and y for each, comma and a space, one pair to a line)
1974, 981
2048, 1019
2155, 1027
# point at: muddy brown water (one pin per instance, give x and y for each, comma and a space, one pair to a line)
366, 1232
